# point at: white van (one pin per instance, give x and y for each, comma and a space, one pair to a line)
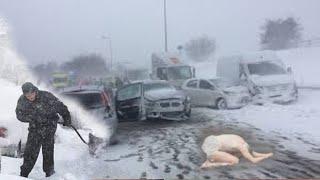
263, 73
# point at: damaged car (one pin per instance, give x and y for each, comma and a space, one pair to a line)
218, 92
97, 101
151, 99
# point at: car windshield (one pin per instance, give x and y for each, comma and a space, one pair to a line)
265, 68
87, 100
179, 72
157, 86
223, 83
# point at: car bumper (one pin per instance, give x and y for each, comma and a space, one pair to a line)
11, 151
237, 101
170, 113
173, 115
279, 97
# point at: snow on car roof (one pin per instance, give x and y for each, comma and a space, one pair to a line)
82, 89
148, 81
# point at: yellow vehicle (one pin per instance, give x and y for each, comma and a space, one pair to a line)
60, 80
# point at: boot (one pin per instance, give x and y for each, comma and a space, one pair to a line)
49, 173
23, 174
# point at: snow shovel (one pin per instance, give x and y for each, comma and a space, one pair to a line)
93, 140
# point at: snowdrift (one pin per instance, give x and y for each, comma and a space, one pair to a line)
305, 65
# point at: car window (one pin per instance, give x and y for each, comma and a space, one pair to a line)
205, 85
87, 100
129, 92
157, 86
192, 84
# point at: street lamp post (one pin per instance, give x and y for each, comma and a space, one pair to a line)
110, 49
165, 26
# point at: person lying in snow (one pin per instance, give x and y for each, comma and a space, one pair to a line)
219, 148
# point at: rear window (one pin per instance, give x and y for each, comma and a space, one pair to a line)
89, 100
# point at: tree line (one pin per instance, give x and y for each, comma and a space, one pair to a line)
275, 34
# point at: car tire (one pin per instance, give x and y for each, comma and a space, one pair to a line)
221, 104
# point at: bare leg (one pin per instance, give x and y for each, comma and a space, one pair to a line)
220, 158
245, 152
256, 154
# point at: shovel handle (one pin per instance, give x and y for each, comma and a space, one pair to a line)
76, 132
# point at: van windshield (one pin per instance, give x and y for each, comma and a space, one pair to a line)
265, 68
179, 72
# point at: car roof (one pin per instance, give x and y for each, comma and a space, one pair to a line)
150, 81
82, 89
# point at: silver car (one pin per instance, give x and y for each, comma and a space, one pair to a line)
218, 92
152, 99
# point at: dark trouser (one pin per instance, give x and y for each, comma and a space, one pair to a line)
35, 140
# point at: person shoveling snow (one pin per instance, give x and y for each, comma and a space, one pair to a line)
219, 148
40, 109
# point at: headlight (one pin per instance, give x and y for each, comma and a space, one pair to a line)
150, 103
229, 92
188, 98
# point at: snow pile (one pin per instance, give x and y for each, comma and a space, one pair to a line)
16, 130
305, 65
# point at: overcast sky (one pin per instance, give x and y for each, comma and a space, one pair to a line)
57, 30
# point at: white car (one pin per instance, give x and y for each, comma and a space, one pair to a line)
218, 92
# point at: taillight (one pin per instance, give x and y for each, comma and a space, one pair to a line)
3, 132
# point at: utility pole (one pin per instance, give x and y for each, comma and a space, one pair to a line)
110, 49
165, 26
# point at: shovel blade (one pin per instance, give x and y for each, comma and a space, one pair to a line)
94, 143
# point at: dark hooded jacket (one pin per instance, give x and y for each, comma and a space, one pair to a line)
42, 113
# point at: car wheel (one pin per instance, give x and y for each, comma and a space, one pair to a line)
221, 104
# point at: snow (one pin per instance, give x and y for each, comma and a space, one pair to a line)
297, 121
304, 63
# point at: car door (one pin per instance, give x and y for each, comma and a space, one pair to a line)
206, 93
128, 102
191, 88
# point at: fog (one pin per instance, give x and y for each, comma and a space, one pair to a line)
57, 30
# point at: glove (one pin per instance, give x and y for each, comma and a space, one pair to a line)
67, 122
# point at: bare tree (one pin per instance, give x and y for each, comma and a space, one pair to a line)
44, 71
86, 65
280, 34
201, 48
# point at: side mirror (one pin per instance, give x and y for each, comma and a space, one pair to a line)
289, 70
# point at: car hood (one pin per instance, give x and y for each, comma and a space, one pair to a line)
271, 80
236, 89
155, 95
